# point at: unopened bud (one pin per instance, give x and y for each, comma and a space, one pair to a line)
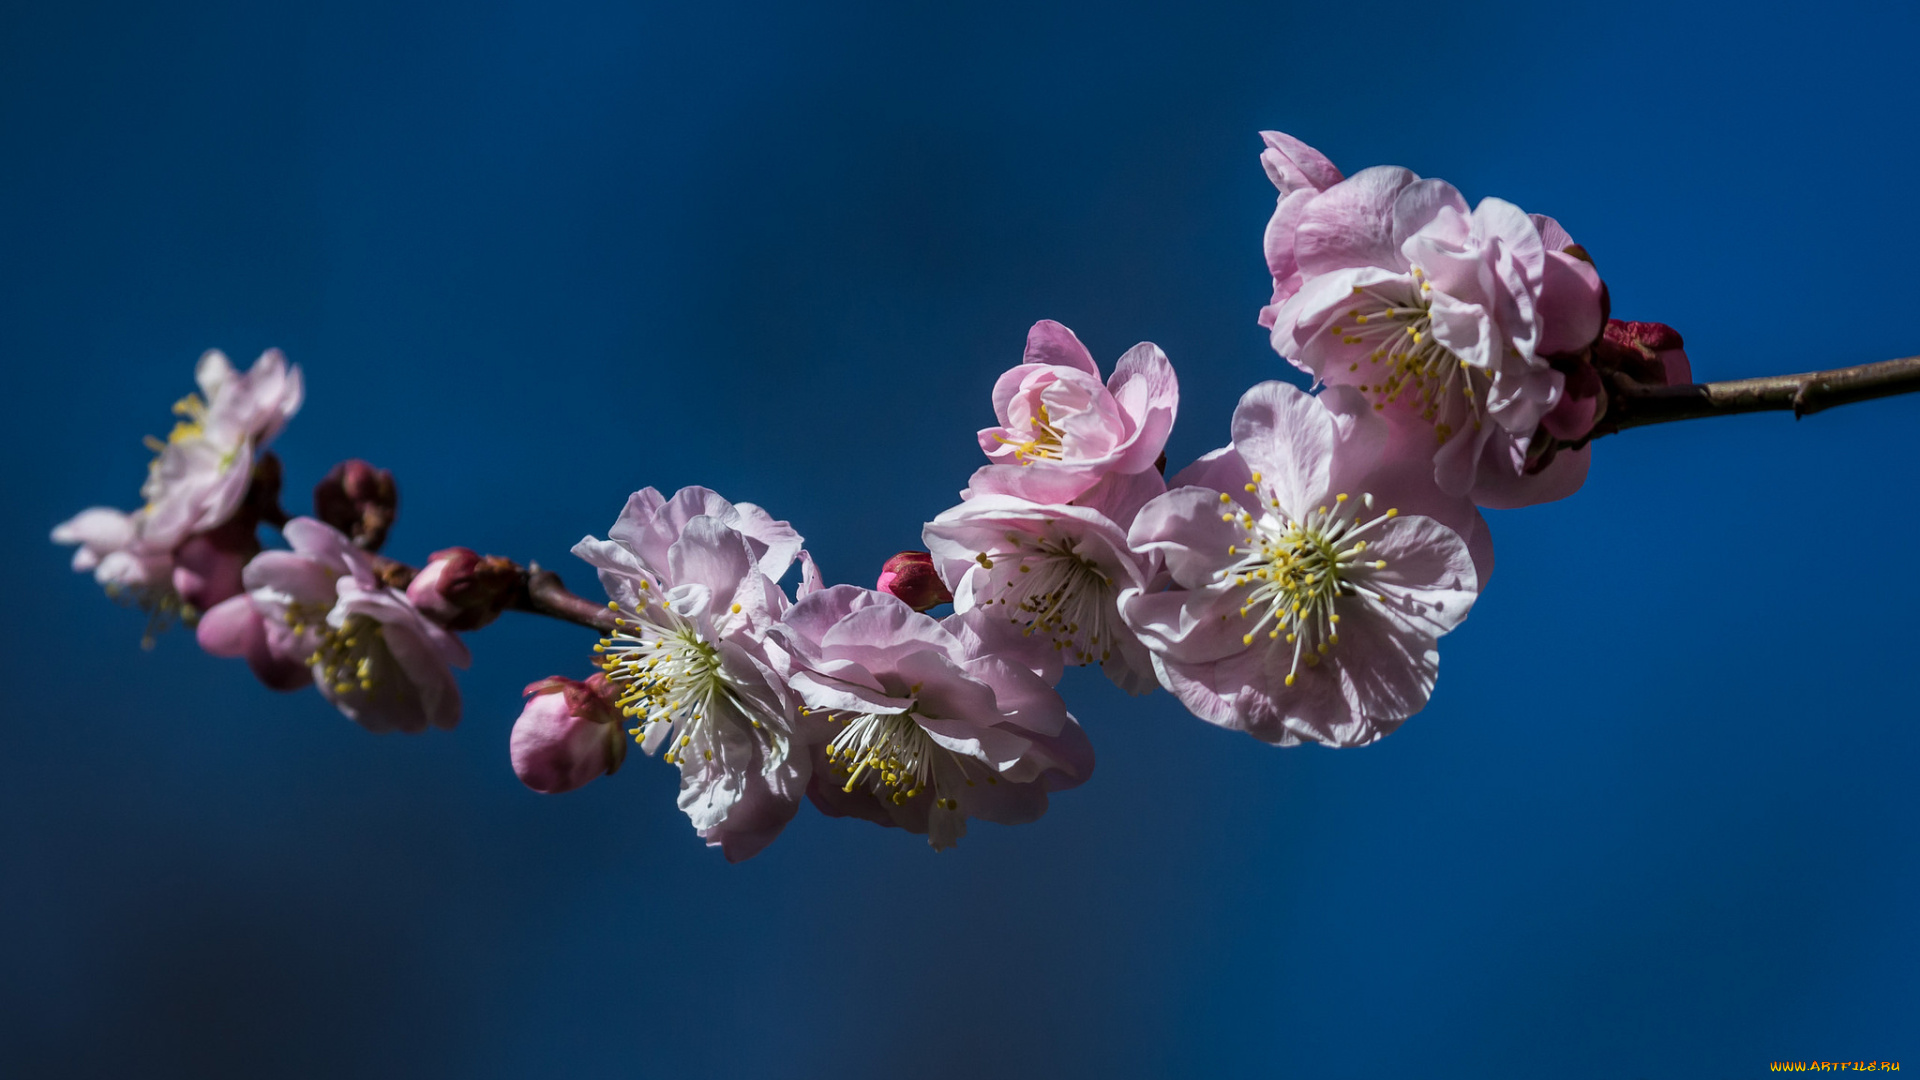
463, 590
911, 577
1649, 352
359, 500
569, 733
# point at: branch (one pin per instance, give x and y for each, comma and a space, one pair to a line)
1633, 404
538, 592
543, 594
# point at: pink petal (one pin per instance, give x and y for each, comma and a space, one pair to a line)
1051, 343
1292, 164
1502, 489
1571, 311
1282, 433
1351, 223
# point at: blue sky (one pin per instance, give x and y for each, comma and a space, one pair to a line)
1658, 821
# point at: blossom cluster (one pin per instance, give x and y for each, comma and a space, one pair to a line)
1292, 584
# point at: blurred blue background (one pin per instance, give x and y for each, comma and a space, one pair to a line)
1659, 820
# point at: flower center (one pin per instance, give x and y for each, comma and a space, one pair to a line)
353, 655
672, 681
897, 756
1295, 571
1043, 440
192, 413
1396, 320
1043, 583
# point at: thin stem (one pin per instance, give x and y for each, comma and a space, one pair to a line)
1634, 405
543, 594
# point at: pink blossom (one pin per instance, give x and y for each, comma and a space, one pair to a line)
199, 479
568, 734
1446, 317
1062, 432
1040, 582
1304, 604
182, 552
694, 579
319, 613
916, 731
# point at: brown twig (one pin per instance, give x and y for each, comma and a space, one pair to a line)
543, 594
1633, 405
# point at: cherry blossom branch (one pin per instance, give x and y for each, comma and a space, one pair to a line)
535, 590
362, 501
1632, 404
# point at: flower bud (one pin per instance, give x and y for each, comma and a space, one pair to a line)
359, 500
569, 733
1651, 353
911, 577
462, 590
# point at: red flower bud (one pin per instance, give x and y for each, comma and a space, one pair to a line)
462, 590
1651, 353
910, 576
359, 500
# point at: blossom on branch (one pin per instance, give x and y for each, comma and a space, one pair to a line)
182, 552
199, 479
914, 730
1446, 317
319, 613
1040, 583
1064, 436
694, 582
1304, 605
